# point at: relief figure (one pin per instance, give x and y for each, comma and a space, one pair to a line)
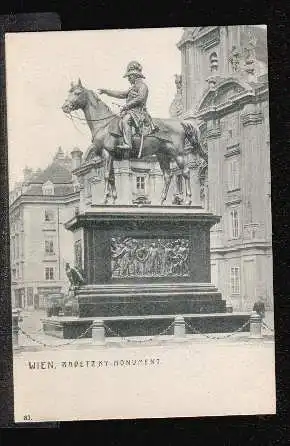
149, 257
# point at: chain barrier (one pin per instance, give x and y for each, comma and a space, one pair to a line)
267, 326
140, 341
217, 337
37, 341
54, 345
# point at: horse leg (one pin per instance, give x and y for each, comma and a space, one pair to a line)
107, 168
113, 183
167, 175
178, 198
186, 175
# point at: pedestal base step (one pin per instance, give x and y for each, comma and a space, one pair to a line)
152, 325
114, 300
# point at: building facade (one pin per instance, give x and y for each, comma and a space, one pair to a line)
39, 243
224, 85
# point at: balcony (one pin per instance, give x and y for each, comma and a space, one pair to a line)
254, 231
49, 226
49, 257
233, 196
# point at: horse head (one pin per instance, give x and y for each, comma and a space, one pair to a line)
80, 98
77, 98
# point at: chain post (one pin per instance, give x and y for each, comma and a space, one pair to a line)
15, 327
98, 332
179, 327
255, 326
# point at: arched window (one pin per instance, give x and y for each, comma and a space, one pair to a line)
48, 188
213, 61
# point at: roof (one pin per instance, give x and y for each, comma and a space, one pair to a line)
59, 190
56, 172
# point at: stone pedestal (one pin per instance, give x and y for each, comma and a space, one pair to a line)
145, 262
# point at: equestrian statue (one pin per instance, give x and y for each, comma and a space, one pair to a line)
134, 134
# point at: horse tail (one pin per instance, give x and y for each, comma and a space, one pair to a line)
192, 135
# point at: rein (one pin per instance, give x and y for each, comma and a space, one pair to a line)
93, 120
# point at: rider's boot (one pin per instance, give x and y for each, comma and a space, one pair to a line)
127, 135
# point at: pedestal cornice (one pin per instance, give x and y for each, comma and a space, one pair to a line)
144, 214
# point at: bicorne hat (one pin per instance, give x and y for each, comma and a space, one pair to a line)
134, 67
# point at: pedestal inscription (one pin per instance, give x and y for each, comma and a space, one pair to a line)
150, 257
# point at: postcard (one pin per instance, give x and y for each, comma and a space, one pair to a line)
140, 223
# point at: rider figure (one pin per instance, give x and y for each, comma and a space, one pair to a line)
134, 113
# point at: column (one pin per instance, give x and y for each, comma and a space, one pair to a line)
253, 168
224, 51
123, 182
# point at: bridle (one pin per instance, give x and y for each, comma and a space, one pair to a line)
112, 115
70, 116
91, 120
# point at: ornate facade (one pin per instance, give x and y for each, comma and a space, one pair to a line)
225, 85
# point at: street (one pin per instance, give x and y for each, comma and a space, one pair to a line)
35, 340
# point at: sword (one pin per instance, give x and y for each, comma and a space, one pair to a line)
141, 146
142, 141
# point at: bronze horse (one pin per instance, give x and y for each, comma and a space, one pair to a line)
168, 144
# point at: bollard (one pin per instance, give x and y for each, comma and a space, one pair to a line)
179, 327
15, 328
98, 332
255, 326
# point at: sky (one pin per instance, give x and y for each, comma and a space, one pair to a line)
40, 67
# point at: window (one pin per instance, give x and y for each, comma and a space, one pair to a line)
235, 223
20, 271
213, 60
17, 246
49, 215
235, 280
233, 174
30, 296
140, 184
12, 248
49, 273
89, 188
49, 249
48, 188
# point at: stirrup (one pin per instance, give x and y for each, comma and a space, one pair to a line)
124, 146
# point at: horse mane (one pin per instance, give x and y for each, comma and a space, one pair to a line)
96, 101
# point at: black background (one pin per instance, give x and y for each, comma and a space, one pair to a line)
227, 431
